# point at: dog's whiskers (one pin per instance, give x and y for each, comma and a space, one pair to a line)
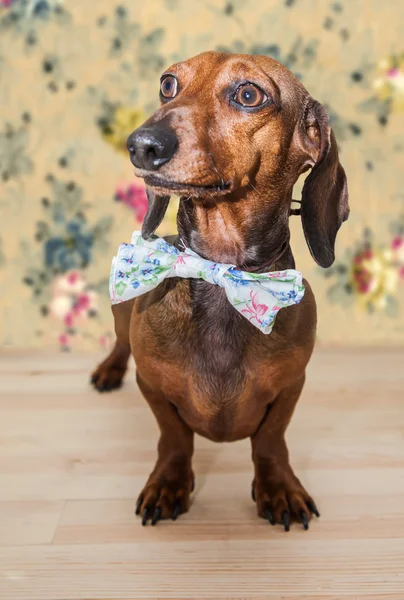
253, 186
222, 185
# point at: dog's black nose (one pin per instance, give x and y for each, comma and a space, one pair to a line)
152, 147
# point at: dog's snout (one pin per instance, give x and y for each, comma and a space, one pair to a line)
152, 147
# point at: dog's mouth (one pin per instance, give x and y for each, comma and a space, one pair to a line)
162, 186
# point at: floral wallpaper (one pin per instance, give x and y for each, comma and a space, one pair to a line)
77, 76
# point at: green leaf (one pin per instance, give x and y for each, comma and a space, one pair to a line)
120, 288
151, 281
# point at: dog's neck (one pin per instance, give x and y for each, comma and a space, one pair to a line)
242, 228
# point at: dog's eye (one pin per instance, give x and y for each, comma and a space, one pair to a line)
168, 86
250, 95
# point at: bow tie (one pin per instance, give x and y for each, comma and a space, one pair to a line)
143, 264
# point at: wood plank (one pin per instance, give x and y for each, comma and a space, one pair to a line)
29, 523
72, 463
286, 566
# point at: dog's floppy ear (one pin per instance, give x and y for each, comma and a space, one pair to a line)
155, 213
325, 193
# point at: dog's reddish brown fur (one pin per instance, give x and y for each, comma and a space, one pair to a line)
201, 366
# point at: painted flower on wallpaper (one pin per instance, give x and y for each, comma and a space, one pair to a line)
118, 122
71, 298
134, 197
67, 238
389, 81
124, 32
73, 302
67, 242
371, 275
26, 16
71, 249
386, 80
32, 9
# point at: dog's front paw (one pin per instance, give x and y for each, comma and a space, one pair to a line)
107, 378
283, 500
164, 498
109, 374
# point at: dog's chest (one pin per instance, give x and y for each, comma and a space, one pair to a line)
224, 398
206, 359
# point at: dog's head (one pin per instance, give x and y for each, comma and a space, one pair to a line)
229, 123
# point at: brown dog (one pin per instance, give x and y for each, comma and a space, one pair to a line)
231, 138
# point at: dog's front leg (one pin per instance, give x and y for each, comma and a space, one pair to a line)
279, 494
167, 491
110, 373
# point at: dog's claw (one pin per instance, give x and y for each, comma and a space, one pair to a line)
156, 516
311, 506
145, 516
304, 519
177, 509
253, 493
268, 514
286, 520
138, 506
193, 485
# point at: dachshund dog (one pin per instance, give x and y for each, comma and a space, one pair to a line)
232, 136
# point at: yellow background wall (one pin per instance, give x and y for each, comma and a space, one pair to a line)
76, 78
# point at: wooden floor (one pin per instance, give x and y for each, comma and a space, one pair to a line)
72, 463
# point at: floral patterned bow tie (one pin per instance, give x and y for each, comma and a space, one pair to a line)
143, 264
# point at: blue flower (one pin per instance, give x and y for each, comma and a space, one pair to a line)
269, 320
237, 277
71, 251
164, 246
135, 283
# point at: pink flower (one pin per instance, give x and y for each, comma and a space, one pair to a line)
6, 3
68, 319
134, 196
73, 277
257, 310
71, 299
82, 304
397, 242
260, 309
394, 72
397, 246
363, 279
64, 340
